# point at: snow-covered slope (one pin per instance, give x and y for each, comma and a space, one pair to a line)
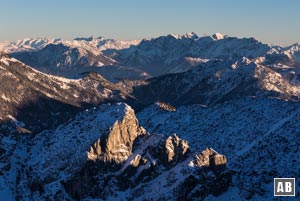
217, 81
289, 57
71, 58
293, 52
41, 100
209, 83
66, 54
259, 136
104, 154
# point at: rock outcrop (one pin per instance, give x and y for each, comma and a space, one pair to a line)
173, 150
211, 177
104, 154
156, 161
165, 106
210, 158
116, 144
104, 133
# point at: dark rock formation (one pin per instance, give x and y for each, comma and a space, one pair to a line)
210, 158
174, 150
211, 177
152, 158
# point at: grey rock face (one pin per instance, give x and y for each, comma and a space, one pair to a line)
175, 150
211, 177
116, 144
210, 158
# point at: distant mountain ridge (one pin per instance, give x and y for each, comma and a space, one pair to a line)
31, 44
142, 59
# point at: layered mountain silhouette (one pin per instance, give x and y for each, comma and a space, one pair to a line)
146, 58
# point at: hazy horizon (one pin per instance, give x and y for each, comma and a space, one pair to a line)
268, 21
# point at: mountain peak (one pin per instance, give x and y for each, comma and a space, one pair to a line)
191, 35
218, 36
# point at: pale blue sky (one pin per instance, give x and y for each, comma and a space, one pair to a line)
271, 21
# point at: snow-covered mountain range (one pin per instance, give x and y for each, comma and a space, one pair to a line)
27, 44
197, 118
99, 43
141, 59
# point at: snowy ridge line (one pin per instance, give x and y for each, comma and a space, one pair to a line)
143, 59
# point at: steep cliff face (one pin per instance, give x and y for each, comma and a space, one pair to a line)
173, 150
116, 144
